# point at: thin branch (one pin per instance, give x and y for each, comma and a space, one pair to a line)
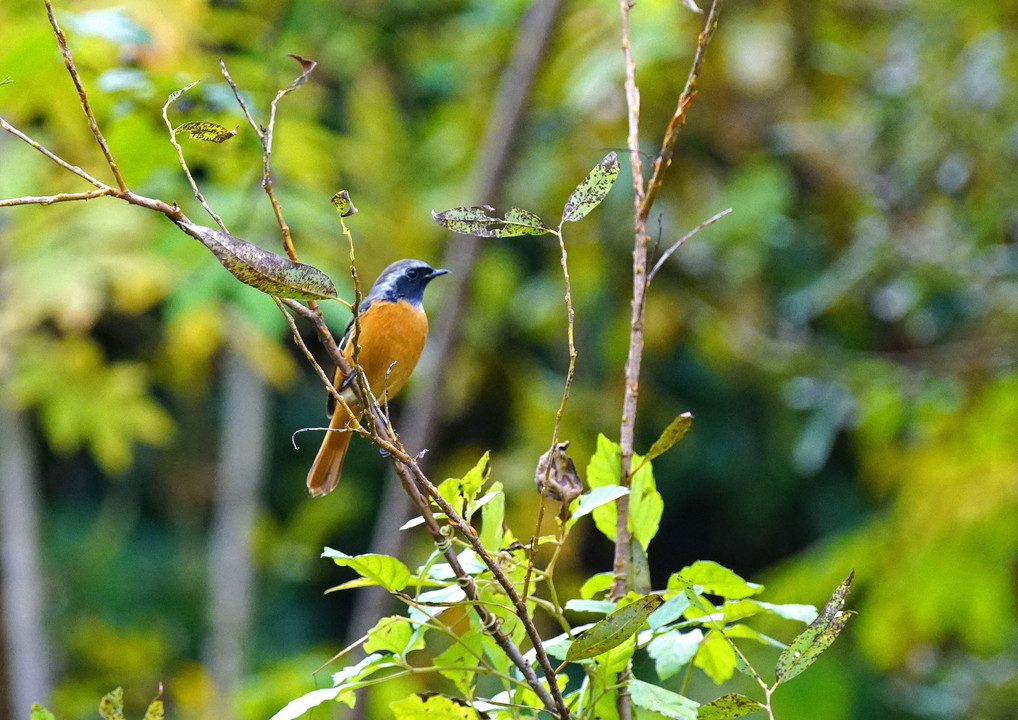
60, 197
681, 241
664, 157
180, 156
83, 97
59, 161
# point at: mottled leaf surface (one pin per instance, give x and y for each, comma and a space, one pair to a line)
728, 706
479, 222
204, 130
592, 189
613, 630
817, 637
262, 270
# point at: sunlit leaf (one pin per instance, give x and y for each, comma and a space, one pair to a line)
672, 650
376, 569
645, 503
669, 612
595, 498
591, 606
664, 702
262, 270
817, 637
457, 662
719, 580
394, 634
111, 707
592, 189
613, 630
432, 706
155, 708
671, 435
493, 517
727, 707
716, 657
476, 221
38, 711
204, 130
597, 583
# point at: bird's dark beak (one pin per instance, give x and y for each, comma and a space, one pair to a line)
435, 273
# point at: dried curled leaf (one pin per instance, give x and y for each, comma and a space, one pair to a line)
204, 130
306, 66
476, 221
262, 270
342, 202
563, 482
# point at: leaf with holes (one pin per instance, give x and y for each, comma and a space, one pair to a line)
204, 130
593, 189
817, 637
478, 222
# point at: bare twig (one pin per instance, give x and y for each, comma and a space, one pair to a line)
681, 241
59, 161
59, 197
643, 200
83, 97
180, 156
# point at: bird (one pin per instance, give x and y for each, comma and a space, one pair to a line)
393, 330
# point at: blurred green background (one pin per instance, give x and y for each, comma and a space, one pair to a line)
845, 339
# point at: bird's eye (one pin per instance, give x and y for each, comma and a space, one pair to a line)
412, 273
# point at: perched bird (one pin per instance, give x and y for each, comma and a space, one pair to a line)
393, 330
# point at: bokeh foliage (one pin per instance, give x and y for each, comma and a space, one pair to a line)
845, 338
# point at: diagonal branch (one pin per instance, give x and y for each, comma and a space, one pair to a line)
83, 96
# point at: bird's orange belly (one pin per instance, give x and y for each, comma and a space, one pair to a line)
391, 340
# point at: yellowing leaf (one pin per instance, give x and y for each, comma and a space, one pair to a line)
432, 706
204, 130
375, 569
817, 637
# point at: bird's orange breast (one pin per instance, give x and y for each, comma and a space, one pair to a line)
391, 340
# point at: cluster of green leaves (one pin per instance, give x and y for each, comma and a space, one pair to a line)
694, 622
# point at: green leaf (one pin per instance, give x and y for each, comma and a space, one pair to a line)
671, 435
262, 270
727, 707
716, 657
671, 651
817, 637
739, 609
595, 584
300, 706
377, 569
719, 580
155, 708
205, 130
38, 711
613, 630
590, 606
669, 612
432, 706
111, 706
592, 189
492, 535
645, 503
475, 478
476, 221
457, 661
738, 630
343, 204
593, 499
394, 634
665, 702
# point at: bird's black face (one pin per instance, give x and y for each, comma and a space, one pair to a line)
405, 280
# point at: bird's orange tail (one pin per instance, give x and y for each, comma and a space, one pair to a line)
324, 474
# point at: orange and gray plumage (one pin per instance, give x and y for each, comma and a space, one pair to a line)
393, 329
